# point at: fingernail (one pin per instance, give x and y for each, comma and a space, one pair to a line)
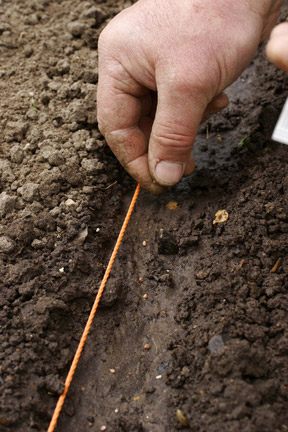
169, 172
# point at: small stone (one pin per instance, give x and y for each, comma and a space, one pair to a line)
32, 114
16, 154
92, 166
29, 192
216, 344
55, 158
39, 244
76, 112
76, 28
54, 86
31, 19
94, 13
147, 347
81, 237
7, 203
6, 173
91, 145
16, 130
28, 51
7, 245
62, 270
70, 203
63, 66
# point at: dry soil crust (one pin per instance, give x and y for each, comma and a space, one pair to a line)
212, 300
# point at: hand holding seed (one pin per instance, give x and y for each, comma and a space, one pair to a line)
163, 67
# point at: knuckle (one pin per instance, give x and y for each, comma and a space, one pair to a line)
170, 138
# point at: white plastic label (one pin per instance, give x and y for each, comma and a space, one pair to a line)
280, 133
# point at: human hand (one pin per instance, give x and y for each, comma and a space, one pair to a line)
277, 47
163, 66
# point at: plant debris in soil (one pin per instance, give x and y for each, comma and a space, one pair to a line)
191, 333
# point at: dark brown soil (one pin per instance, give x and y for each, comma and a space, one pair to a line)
210, 300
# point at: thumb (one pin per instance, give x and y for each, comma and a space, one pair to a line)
277, 47
179, 113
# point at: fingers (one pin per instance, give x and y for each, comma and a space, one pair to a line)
277, 47
119, 107
179, 113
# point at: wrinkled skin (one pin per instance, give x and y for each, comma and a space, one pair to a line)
163, 67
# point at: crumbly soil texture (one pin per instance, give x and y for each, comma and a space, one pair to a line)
192, 330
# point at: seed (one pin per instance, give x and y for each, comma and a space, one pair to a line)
181, 417
140, 280
112, 371
147, 347
144, 243
145, 296
172, 205
220, 217
103, 428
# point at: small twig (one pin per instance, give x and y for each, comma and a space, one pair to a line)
276, 266
107, 187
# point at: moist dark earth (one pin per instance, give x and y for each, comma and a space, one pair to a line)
193, 321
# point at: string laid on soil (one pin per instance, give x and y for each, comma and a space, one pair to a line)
86, 330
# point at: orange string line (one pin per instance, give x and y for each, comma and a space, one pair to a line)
78, 353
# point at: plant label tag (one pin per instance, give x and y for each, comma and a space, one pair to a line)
280, 133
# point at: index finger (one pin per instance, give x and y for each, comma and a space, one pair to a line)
119, 109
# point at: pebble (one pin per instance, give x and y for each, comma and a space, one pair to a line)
28, 51
7, 203
63, 66
55, 158
76, 28
29, 191
92, 166
16, 154
6, 173
76, 112
70, 203
16, 130
216, 344
7, 245
39, 244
